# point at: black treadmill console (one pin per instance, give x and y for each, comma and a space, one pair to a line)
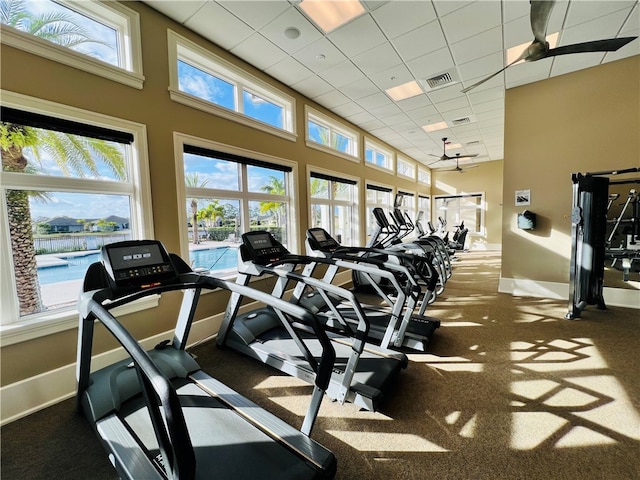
262, 247
321, 240
137, 264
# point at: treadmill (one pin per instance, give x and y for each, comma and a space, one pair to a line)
362, 372
413, 330
158, 415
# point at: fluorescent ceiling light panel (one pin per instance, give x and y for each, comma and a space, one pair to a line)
434, 127
329, 15
515, 52
407, 90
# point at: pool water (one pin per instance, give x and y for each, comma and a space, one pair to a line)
220, 258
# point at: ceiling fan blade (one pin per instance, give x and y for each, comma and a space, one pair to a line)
610, 45
540, 13
471, 155
465, 90
467, 167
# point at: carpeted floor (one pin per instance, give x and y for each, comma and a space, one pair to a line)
508, 390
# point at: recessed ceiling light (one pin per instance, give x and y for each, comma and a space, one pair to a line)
406, 90
329, 15
514, 52
292, 33
433, 127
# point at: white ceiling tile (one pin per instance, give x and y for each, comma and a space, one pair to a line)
514, 10
444, 7
332, 99
491, 106
480, 96
631, 26
484, 66
343, 74
517, 32
581, 12
275, 31
527, 72
448, 93
259, 51
255, 13
420, 41
360, 88
628, 50
386, 110
360, 117
348, 109
225, 30
357, 36
392, 77
374, 101
312, 86
414, 103
481, 45
377, 59
319, 55
471, 20
431, 64
370, 125
179, 11
398, 17
289, 71
569, 63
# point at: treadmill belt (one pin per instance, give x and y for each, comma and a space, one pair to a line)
225, 445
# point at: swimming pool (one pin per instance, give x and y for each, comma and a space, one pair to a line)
220, 258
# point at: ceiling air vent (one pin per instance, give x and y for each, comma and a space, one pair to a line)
473, 142
442, 79
460, 121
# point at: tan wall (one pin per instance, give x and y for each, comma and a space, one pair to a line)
487, 179
585, 121
38, 77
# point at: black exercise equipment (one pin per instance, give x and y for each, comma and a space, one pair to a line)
362, 372
157, 413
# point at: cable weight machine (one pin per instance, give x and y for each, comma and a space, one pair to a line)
590, 245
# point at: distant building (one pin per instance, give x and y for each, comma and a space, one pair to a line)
74, 225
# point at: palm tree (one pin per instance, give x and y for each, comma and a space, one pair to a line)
72, 153
274, 187
193, 180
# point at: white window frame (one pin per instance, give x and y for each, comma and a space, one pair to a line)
185, 50
14, 328
481, 228
122, 19
331, 202
323, 120
182, 139
424, 176
427, 211
400, 160
376, 147
371, 206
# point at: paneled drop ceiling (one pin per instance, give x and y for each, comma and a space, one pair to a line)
348, 70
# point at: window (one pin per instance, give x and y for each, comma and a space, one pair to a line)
424, 210
406, 168
377, 196
455, 209
330, 136
227, 192
424, 176
407, 204
201, 79
80, 181
333, 206
102, 38
377, 156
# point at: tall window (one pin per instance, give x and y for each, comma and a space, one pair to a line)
69, 185
455, 209
333, 206
377, 156
377, 196
406, 168
102, 38
225, 195
202, 80
408, 206
424, 176
331, 136
424, 211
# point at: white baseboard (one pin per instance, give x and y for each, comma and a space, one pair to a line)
618, 297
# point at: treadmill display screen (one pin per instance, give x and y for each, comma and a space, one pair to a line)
263, 248
321, 240
137, 263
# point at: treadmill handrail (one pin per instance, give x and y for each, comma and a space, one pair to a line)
168, 421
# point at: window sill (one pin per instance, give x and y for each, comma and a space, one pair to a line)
49, 324
331, 151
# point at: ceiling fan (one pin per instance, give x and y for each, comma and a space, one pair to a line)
539, 48
445, 157
458, 168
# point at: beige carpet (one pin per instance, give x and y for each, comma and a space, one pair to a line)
509, 390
